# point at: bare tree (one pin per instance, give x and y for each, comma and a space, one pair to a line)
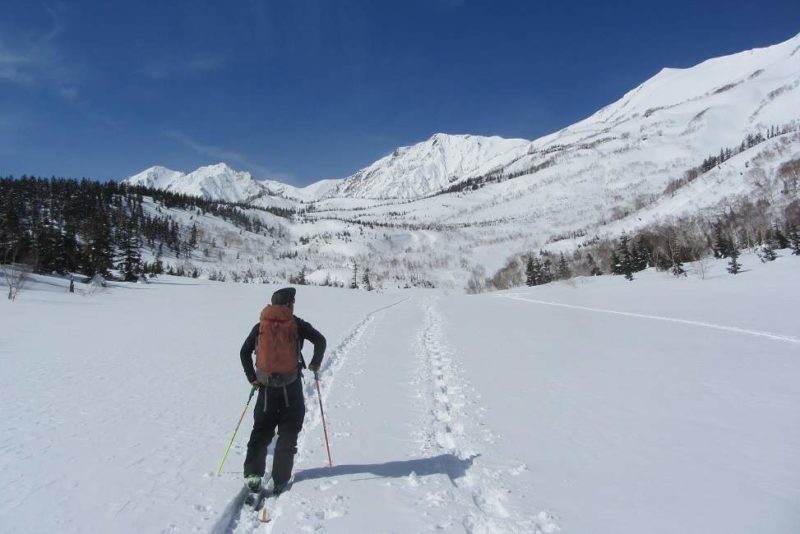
789, 174
16, 273
701, 266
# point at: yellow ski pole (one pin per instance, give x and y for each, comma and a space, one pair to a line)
252, 392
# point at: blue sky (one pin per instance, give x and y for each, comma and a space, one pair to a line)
303, 90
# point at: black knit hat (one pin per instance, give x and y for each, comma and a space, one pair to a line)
284, 296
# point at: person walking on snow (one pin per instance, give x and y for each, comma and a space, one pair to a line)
277, 340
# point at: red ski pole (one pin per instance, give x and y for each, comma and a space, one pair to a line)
322, 413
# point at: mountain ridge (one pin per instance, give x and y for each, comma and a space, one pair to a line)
433, 165
686, 142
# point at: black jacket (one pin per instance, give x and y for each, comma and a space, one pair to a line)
304, 331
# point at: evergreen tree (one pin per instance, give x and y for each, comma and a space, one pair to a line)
354, 281
158, 265
563, 269
547, 271
766, 253
781, 240
130, 264
365, 282
533, 271
625, 260
639, 255
794, 239
616, 263
193, 237
300, 278
733, 265
98, 253
677, 268
594, 270
46, 244
723, 245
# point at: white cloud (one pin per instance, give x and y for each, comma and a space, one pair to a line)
34, 60
70, 93
15, 66
159, 69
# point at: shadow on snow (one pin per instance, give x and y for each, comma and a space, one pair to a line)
449, 465
445, 464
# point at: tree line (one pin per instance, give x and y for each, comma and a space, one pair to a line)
60, 225
665, 247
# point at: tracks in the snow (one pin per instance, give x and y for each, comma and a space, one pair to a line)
468, 489
456, 425
702, 324
237, 520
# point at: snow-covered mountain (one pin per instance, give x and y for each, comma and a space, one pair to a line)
431, 166
308, 193
216, 182
454, 203
407, 173
156, 177
670, 120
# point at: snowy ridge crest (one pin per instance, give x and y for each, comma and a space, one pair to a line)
624, 159
429, 167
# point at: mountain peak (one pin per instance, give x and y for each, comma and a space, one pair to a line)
156, 176
221, 166
429, 166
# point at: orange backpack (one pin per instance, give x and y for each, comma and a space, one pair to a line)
276, 351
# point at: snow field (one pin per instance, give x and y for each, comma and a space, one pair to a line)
661, 405
117, 407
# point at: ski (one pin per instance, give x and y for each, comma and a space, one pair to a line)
263, 515
270, 495
255, 499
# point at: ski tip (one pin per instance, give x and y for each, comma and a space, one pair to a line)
263, 516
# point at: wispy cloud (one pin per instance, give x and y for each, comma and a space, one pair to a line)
229, 156
159, 69
33, 60
15, 66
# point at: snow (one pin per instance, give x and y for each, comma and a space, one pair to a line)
661, 405
218, 182
157, 177
596, 178
430, 166
308, 193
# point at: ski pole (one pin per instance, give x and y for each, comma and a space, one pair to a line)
322, 413
252, 391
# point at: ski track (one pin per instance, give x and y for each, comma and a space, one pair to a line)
455, 423
236, 519
757, 333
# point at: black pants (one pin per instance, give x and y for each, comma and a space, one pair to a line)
284, 410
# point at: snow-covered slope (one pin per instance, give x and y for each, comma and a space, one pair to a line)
616, 170
673, 411
409, 172
431, 166
216, 182
308, 193
156, 177
631, 147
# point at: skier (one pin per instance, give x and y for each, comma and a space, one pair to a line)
277, 340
